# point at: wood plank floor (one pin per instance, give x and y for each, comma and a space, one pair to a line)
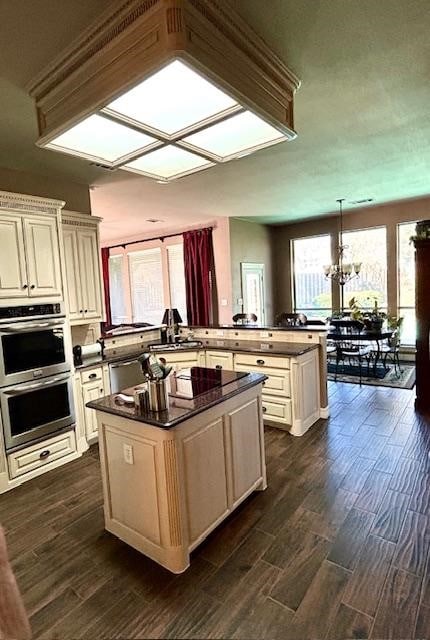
337, 547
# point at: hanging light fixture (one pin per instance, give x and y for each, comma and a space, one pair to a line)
342, 272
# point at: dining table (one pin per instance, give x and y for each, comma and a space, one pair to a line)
345, 334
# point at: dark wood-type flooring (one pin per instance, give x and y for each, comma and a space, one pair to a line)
337, 547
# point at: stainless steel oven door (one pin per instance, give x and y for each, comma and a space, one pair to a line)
31, 411
32, 350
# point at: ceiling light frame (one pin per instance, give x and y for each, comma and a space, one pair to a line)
134, 39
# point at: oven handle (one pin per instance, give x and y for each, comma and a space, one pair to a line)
36, 385
22, 328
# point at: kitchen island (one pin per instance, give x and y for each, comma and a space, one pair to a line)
170, 478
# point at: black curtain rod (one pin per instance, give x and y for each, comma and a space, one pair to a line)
162, 238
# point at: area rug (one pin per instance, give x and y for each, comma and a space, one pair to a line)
389, 379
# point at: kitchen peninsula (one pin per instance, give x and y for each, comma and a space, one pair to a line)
170, 478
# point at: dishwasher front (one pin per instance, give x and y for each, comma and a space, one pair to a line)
124, 375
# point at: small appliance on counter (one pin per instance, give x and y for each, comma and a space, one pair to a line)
171, 318
88, 353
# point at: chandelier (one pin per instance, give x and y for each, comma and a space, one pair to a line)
342, 272
165, 88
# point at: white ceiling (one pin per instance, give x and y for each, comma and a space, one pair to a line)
362, 114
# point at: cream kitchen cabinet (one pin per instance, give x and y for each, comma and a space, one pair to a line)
291, 393
219, 360
91, 384
29, 250
183, 360
82, 266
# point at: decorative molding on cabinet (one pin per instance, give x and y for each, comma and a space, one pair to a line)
172, 490
33, 204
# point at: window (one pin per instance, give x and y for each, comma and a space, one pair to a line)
153, 281
146, 280
368, 246
312, 290
175, 262
406, 282
116, 286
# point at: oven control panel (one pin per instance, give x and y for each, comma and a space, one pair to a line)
30, 311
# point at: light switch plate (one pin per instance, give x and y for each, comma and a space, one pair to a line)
224, 302
128, 453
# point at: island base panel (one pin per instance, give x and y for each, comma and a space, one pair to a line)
165, 490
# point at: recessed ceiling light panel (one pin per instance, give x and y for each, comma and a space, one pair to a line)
239, 133
97, 137
172, 99
168, 162
174, 87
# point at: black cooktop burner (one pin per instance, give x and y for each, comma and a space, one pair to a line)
192, 382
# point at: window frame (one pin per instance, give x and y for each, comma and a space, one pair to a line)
384, 306
293, 275
399, 307
136, 248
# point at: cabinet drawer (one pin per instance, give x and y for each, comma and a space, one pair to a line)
277, 411
41, 454
277, 383
262, 360
179, 357
91, 375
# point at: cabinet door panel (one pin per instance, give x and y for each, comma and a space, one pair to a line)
245, 447
205, 478
219, 360
90, 273
13, 278
74, 289
43, 257
92, 391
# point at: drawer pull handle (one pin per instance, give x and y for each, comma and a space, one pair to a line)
260, 361
81, 311
218, 366
33, 286
86, 311
264, 409
92, 376
25, 286
44, 454
101, 390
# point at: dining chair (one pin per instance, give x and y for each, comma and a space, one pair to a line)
244, 318
350, 350
390, 349
285, 319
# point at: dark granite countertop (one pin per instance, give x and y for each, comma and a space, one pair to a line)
259, 327
180, 409
291, 349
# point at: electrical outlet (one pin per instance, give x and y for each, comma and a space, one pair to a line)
224, 302
128, 453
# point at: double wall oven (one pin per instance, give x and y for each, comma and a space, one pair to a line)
36, 393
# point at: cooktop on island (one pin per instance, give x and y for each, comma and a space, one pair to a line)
193, 382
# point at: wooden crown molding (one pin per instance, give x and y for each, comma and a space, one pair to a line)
134, 38
78, 219
34, 204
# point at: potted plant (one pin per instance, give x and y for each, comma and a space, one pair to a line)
372, 320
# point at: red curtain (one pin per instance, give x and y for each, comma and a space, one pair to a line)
199, 276
105, 268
